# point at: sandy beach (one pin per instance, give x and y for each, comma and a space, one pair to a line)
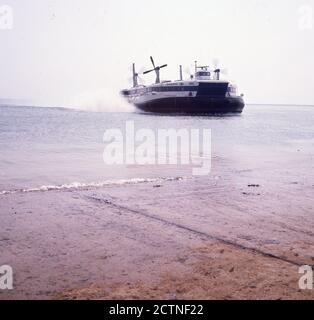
236, 234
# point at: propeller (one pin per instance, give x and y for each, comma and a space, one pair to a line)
188, 72
136, 76
215, 63
218, 70
140, 71
156, 69
140, 80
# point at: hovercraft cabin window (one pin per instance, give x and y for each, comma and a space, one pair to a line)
203, 74
170, 89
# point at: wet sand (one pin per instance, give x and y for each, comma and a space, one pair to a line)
240, 233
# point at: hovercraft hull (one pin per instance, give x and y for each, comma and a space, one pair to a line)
193, 105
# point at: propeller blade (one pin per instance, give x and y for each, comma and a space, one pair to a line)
187, 70
152, 60
141, 70
215, 63
145, 72
141, 79
163, 66
223, 71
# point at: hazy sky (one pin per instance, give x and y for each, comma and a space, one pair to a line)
60, 49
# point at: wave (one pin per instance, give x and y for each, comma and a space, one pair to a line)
80, 185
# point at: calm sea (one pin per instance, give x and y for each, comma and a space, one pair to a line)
57, 147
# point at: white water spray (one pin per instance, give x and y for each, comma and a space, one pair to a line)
102, 100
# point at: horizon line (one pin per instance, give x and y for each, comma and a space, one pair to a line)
60, 106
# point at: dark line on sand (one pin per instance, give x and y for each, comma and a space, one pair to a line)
199, 233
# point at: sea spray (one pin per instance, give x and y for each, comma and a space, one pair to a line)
100, 100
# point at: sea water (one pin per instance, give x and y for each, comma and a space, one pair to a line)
45, 148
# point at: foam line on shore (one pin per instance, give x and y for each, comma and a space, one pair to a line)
80, 185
